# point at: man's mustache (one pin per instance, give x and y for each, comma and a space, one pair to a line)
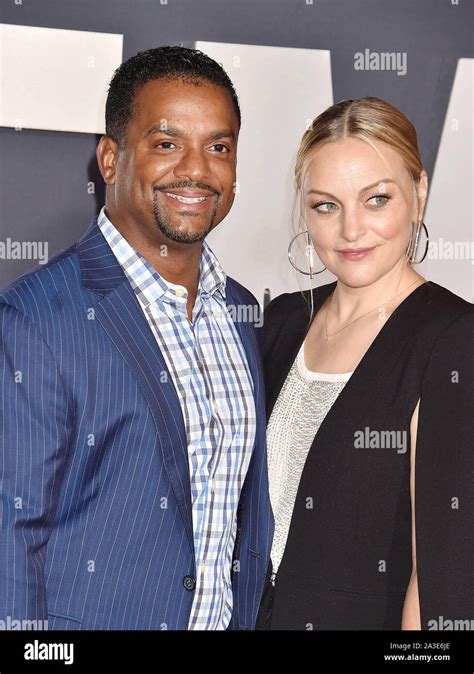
185, 185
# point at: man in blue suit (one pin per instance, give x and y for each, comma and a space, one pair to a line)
134, 481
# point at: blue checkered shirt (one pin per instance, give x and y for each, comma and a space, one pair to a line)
209, 370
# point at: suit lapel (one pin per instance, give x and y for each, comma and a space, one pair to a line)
248, 338
122, 318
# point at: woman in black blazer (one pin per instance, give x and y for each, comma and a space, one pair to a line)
369, 398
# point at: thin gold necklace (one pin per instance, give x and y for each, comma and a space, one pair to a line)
327, 337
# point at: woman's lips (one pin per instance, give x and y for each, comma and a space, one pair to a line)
355, 254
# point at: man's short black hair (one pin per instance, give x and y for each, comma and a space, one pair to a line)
168, 63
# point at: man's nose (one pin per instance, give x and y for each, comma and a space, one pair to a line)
193, 165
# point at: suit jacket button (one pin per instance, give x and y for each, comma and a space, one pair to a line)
189, 582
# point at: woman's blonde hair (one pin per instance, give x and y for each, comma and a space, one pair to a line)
368, 119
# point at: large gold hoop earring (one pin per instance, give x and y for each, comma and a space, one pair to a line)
309, 255
412, 248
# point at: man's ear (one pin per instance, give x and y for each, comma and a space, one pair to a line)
107, 154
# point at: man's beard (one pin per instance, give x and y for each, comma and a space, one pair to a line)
176, 235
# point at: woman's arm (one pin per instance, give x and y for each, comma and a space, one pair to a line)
411, 608
444, 493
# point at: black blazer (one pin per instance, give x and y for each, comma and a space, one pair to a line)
347, 561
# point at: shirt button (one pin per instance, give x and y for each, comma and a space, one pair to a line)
189, 582
214, 406
180, 291
213, 485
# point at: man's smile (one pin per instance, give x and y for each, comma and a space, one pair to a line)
190, 200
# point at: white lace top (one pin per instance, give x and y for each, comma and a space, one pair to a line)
304, 400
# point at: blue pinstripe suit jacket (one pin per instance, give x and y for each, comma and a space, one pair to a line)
96, 503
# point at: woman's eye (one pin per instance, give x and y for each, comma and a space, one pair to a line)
381, 199
324, 206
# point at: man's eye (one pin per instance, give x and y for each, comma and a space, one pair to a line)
223, 148
324, 206
162, 143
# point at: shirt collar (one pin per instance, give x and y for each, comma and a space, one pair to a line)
146, 281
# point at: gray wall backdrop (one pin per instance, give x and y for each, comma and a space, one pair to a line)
44, 174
